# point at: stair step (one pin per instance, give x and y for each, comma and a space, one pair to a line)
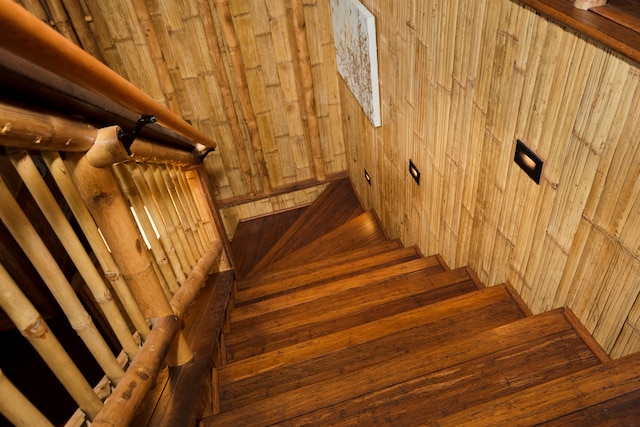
307, 320
348, 258
359, 232
421, 400
377, 365
557, 398
336, 205
344, 267
366, 332
265, 230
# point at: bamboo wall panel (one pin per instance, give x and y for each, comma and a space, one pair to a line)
461, 81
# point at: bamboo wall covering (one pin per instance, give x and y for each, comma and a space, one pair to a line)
461, 80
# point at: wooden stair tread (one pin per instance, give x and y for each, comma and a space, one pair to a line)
347, 309
557, 398
363, 333
254, 237
428, 265
348, 258
349, 267
359, 232
408, 364
420, 400
336, 205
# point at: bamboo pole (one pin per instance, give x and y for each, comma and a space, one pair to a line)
151, 37
134, 197
200, 200
63, 180
21, 128
101, 193
16, 408
172, 214
182, 216
120, 408
192, 208
30, 175
81, 27
35, 7
30, 242
211, 35
187, 208
306, 77
24, 35
149, 192
233, 47
28, 321
61, 20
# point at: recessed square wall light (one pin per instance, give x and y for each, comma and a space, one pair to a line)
414, 172
367, 176
528, 161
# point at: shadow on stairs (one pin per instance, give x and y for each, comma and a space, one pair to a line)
334, 324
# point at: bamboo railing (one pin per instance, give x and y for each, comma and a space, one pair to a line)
153, 237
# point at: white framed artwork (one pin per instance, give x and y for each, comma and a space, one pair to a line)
354, 34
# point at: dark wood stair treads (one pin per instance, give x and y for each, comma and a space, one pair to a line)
348, 258
405, 364
336, 205
431, 396
429, 314
347, 309
359, 232
554, 399
254, 237
330, 273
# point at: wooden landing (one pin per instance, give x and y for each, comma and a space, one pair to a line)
326, 331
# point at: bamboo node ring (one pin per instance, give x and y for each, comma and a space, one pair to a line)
37, 140
68, 142
6, 128
36, 329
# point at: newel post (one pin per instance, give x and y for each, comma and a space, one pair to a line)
586, 4
102, 195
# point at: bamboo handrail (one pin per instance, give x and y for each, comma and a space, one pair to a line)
16, 408
26, 36
30, 175
32, 245
35, 329
63, 180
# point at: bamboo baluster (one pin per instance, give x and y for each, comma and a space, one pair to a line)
100, 191
187, 207
16, 408
182, 216
81, 28
28, 321
35, 183
137, 178
169, 213
200, 198
135, 198
26, 36
222, 79
306, 77
151, 37
192, 208
61, 176
61, 20
30, 242
233, 47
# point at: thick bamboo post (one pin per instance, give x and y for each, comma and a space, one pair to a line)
28, 321
35, 183
306, 77
162, 260
211, 34
16, 408
63, 180
172, 214
100, 191
24, 35
168, 234
192, 208
186, 209
120, 408
182, 216
22, 128
32, 245
586, 4
233, 47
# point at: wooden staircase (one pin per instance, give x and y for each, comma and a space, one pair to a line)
334, 324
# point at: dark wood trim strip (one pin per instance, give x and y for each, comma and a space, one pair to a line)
586, 336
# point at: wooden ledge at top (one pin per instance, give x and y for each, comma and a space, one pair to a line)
615, 36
